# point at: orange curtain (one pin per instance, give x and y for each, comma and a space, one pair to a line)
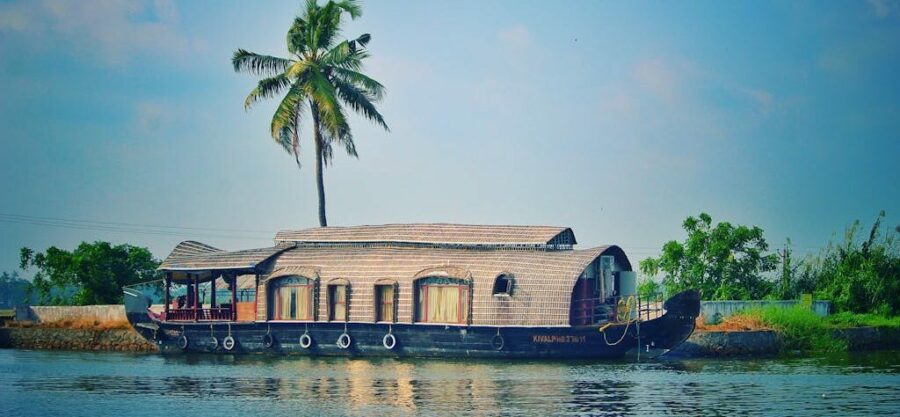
304, 302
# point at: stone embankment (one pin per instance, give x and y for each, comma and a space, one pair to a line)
705, 344
123, 340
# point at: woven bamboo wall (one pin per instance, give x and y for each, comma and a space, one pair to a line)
541, 295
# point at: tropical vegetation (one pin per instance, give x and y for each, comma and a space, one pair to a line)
860, 274
321, 78
93, 273
13, 290
724, 261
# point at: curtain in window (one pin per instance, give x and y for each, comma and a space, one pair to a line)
443, 304
304, 302
386, 303
286, 294
339, 302
293, 303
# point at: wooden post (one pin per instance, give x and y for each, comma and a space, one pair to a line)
196, 296
234, 289
256, 299
212, 295
167, 298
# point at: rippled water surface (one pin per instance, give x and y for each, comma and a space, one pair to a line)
41, 383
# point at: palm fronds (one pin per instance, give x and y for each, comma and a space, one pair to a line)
257, 64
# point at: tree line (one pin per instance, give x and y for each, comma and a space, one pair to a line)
860, 274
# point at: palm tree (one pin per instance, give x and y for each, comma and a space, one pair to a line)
321, 76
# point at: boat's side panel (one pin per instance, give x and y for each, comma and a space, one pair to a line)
420, 340
411, 340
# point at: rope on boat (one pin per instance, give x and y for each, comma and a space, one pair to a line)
603, 331
623, 310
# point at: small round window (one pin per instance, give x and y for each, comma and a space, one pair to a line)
503, 285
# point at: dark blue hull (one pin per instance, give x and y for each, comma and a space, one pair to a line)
419, 340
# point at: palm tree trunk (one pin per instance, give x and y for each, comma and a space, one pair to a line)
320, 181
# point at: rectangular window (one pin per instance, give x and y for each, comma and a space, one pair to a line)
293, 302
338, 302
443, 304
384, 303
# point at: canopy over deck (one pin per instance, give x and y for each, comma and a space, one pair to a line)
190, 256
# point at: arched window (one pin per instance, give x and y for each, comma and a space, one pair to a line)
442, 300
503, 285
291, 298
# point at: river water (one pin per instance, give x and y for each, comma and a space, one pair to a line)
48, 383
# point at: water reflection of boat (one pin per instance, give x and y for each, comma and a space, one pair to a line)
410, 290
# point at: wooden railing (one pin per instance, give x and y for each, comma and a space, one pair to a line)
595, 310
201, 314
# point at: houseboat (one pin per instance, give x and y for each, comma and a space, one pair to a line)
423, 290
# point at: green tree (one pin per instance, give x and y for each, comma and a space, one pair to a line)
649, 289
322, 76
95, 271
13, 290
723, 262
858, 275
788, 287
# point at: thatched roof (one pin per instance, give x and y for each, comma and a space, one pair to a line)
434, 234
195, 256
245, 282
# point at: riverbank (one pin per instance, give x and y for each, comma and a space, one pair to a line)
711, 344
39, 337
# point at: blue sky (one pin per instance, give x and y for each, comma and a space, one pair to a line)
618, 119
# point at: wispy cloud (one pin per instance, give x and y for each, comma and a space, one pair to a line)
660, 77
667, 95
113, 31
150, 115
516, 36
885, 8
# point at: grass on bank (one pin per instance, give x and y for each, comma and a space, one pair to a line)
800, 328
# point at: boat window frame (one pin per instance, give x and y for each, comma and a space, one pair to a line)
288, 281
379, 301
510, 285
465, 298
332, 305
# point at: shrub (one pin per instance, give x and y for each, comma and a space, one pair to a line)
801, 329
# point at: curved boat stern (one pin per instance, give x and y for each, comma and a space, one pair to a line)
673, 327
137, 310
